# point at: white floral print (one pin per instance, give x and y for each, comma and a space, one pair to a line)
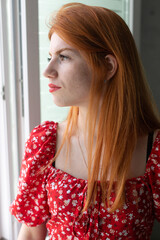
59, 198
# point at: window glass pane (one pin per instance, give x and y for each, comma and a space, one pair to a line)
49, 111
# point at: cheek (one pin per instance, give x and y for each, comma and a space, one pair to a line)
83, 77
76, 77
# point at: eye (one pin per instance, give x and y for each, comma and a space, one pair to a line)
63, 57
49, 59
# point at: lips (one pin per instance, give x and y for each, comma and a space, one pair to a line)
53, 87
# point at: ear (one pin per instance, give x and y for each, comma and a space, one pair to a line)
111, 66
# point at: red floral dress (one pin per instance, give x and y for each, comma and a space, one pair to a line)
55, 196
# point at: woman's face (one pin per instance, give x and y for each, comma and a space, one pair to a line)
68, 73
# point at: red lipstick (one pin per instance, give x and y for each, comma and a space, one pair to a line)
53, 87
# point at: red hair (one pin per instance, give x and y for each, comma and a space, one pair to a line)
127, 110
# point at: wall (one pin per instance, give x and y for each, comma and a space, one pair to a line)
150, 54
150, 44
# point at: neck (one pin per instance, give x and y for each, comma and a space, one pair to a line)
82, 119
82, 122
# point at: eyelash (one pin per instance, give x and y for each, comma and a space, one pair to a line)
61, 57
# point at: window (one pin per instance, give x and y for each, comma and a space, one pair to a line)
9, 152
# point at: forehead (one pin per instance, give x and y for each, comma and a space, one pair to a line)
57, 43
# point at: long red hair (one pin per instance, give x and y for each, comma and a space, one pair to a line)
127, 108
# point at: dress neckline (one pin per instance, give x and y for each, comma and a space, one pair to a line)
133, 179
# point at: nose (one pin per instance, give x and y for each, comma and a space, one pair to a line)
50, 71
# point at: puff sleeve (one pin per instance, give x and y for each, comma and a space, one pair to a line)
153, 170
30, 206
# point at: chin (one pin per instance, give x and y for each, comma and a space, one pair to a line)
65, 102
60, 103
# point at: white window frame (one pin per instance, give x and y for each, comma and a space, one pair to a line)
23, 32
30, 58
135, 20
6, 166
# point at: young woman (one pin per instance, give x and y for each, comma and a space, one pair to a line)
97, 174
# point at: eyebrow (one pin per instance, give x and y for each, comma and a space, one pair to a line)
63, 49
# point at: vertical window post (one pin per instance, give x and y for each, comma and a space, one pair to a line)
30, 58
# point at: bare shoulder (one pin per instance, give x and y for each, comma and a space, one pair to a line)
60, 133
155, 134
61, 127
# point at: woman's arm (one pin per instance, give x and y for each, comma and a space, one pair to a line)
32, 233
